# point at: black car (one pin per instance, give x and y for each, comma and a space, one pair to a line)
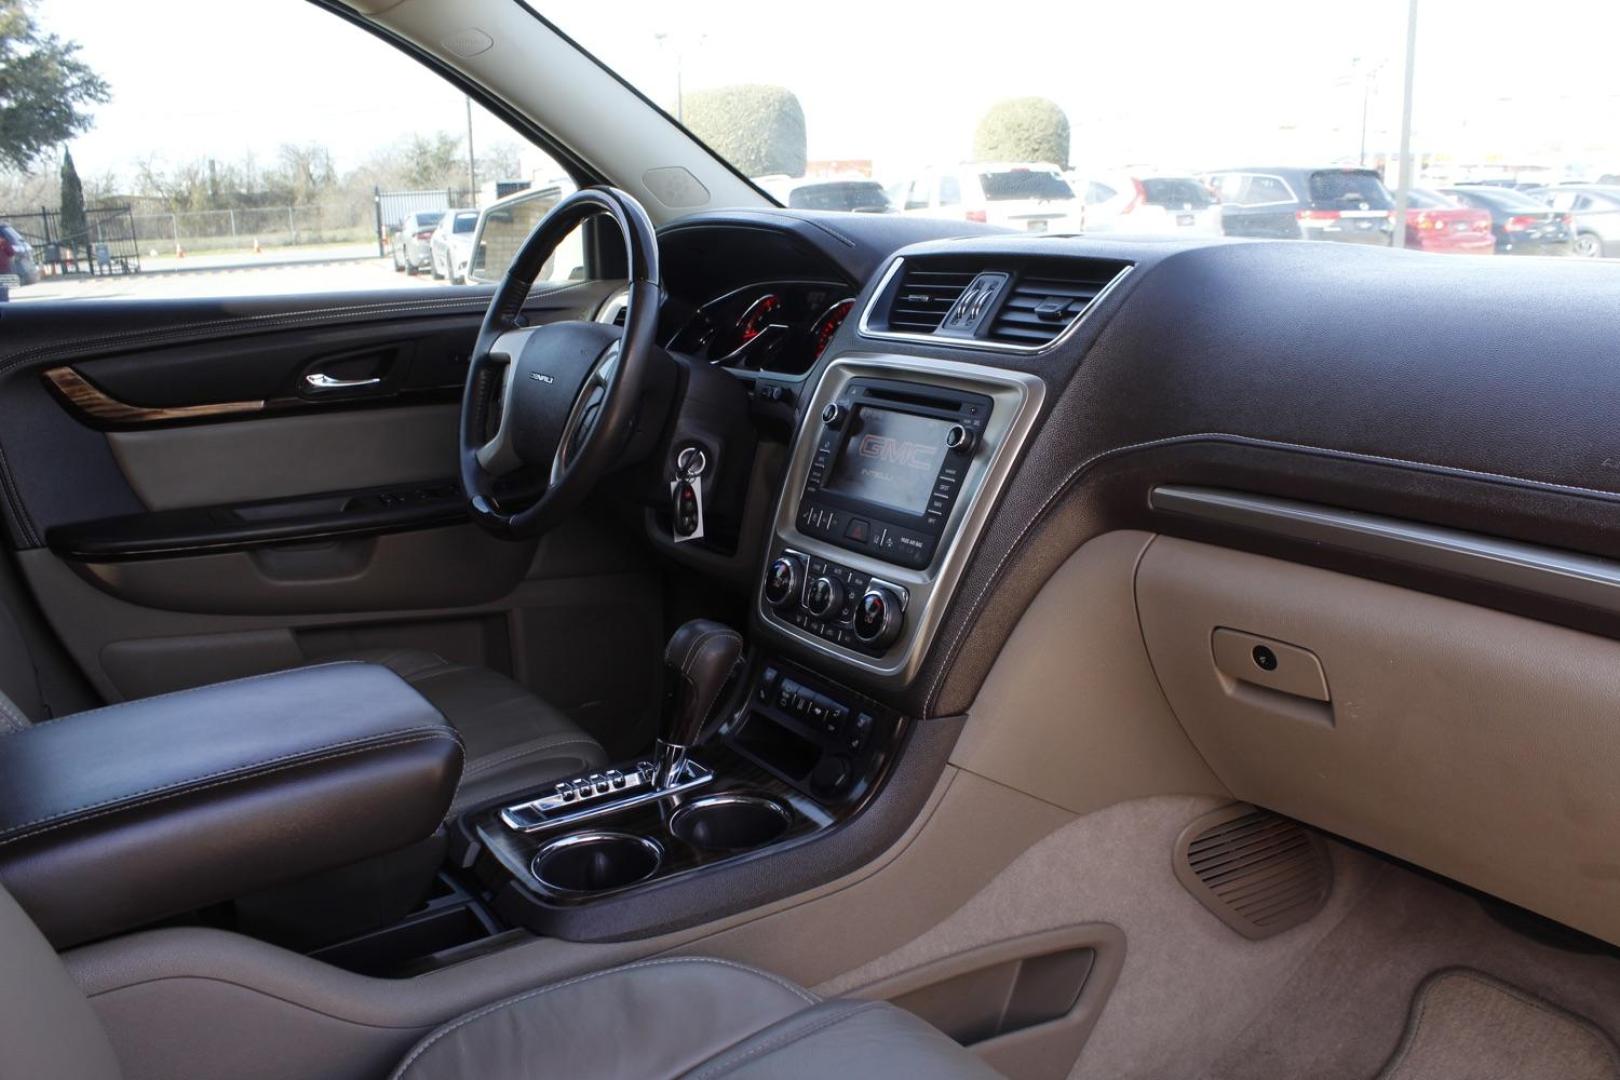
1522, 225
1291, 203
17, 265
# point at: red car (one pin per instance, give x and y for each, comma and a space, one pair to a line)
1440, 224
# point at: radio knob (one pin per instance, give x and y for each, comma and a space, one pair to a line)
833, 414
782, 582
878, 617
959, 439
823, 597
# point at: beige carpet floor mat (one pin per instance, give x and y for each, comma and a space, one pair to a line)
1468, 1026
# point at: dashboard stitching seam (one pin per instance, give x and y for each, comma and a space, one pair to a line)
1040, 514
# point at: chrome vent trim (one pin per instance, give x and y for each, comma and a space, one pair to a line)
871, 316
1038, 309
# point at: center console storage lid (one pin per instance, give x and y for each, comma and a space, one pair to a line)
116, 817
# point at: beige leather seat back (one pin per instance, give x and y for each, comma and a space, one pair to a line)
47, 1028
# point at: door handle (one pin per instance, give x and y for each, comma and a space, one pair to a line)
320, 380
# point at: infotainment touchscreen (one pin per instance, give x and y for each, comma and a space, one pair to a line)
890, 458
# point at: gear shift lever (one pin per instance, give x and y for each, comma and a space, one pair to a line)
698, 663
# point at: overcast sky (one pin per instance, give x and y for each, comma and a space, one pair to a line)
1180, 84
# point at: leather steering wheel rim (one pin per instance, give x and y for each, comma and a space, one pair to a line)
599, 412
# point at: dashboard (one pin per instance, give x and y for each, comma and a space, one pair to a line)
1426, 511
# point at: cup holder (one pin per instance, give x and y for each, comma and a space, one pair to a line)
730, 822
594, 862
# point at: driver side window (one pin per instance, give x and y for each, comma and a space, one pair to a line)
378, 175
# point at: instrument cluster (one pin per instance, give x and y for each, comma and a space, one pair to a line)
779, 326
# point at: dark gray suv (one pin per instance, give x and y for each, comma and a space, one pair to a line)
1290, 203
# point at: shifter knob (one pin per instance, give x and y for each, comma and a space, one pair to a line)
698, 663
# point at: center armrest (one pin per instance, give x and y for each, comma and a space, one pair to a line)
113, 818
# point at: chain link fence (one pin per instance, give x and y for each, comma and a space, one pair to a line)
246, 228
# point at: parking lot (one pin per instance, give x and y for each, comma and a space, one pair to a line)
340, 268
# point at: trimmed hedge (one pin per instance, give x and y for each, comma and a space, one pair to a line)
758, 128
1023, 129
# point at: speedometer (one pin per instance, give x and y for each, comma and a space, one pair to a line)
760, 314
821, 334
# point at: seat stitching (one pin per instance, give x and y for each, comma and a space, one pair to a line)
254, 771
802, 993
481, 764
780, 1040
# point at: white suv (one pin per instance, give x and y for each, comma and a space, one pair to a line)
1029, 196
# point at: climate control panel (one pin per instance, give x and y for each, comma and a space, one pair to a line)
838, 604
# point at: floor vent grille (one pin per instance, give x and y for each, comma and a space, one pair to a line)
1258, 872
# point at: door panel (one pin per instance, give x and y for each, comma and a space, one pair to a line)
272, 458
1478, 744
186, 552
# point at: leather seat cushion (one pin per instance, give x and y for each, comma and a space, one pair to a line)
691, 1017
515, 742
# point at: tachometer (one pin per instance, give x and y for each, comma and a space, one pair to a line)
821, 334
760, 314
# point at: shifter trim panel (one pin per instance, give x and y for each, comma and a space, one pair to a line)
582, 798
1016, 402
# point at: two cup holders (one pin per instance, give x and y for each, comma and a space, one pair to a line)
593, 862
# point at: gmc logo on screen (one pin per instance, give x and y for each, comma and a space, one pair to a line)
894, 452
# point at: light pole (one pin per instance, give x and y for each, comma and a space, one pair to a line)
472, 169
1403, 195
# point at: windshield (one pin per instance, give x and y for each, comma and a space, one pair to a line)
465, 223
1299, 107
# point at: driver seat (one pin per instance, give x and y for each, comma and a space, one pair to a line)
514, 741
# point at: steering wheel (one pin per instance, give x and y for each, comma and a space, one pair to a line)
557, 402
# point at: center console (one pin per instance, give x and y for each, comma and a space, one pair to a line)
890, 484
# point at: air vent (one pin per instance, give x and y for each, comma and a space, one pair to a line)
1259, 873
924, 296
1042, 305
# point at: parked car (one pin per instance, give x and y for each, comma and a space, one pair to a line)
1178, 205
1029, 196
1441, 224
1521, 224
1344, 205
1596, 210
411, 251
451, 245
1507, 183
855, 194
17, 265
